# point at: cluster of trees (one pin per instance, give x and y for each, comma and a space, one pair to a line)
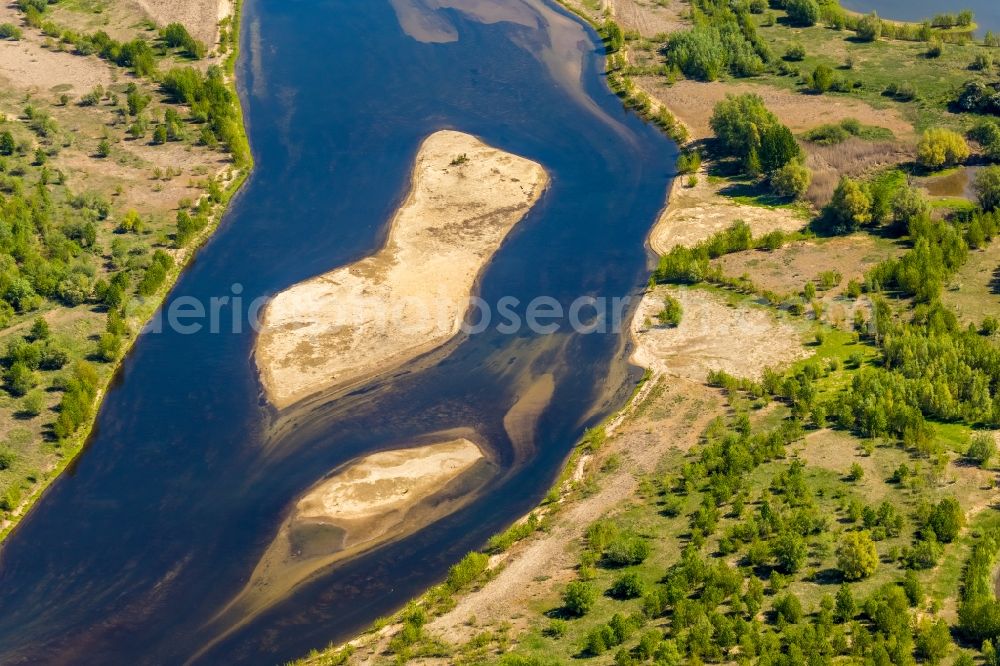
723, 40
747, 130
709, 610
212, 102
979, 609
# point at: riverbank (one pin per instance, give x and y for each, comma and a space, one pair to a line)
376, 314
116, 182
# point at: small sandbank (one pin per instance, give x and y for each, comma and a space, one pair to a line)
411, 296
372, 500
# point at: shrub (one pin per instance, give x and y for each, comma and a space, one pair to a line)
822, 78
626, 550
795, 52
466, 571
688, 161
941, 147
946, 519
982, 449
982, 62
791, 180
869, 27
627, 586
987, 186
788, 609
934, 48
671, 313
10, 31
802, 12
578, 598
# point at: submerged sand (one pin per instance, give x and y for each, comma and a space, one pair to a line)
373, 500
411, 296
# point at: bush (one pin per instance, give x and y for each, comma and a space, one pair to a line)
869, 27
795, 52
467, 571
982, 449
10, 31
934, 48
627, 586
791, 180
626, 550
822, 78
671, 313
689, 161
802, 12
578, 598
982, 62
941, 147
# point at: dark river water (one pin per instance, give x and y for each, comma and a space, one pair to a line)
160, 522
987, 11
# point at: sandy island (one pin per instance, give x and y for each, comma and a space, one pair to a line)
411, 296
372, 500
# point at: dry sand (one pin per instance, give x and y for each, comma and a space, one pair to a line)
695, 213
411, 296
711, 336
375, 499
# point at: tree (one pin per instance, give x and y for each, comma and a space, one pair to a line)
788, 608
578, 598
987, 186
802, 12
7, 143
982, 449
946, 519
40, 329
104, 148
857, 557
19, 379
851, 204
941, 147
791, 180
846, 608
908, 204
933, 640
790, 551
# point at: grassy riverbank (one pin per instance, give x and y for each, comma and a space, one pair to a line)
117, 171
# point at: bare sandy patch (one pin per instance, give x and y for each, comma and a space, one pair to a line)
693, 102
712, 335
200, 17
693, 214
25, 65
372, 500
411, 296
651, 17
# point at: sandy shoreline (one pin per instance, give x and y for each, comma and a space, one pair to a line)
411, 296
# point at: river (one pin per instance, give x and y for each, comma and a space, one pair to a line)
187, 476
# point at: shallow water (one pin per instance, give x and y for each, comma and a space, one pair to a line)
987, 11
188, 475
